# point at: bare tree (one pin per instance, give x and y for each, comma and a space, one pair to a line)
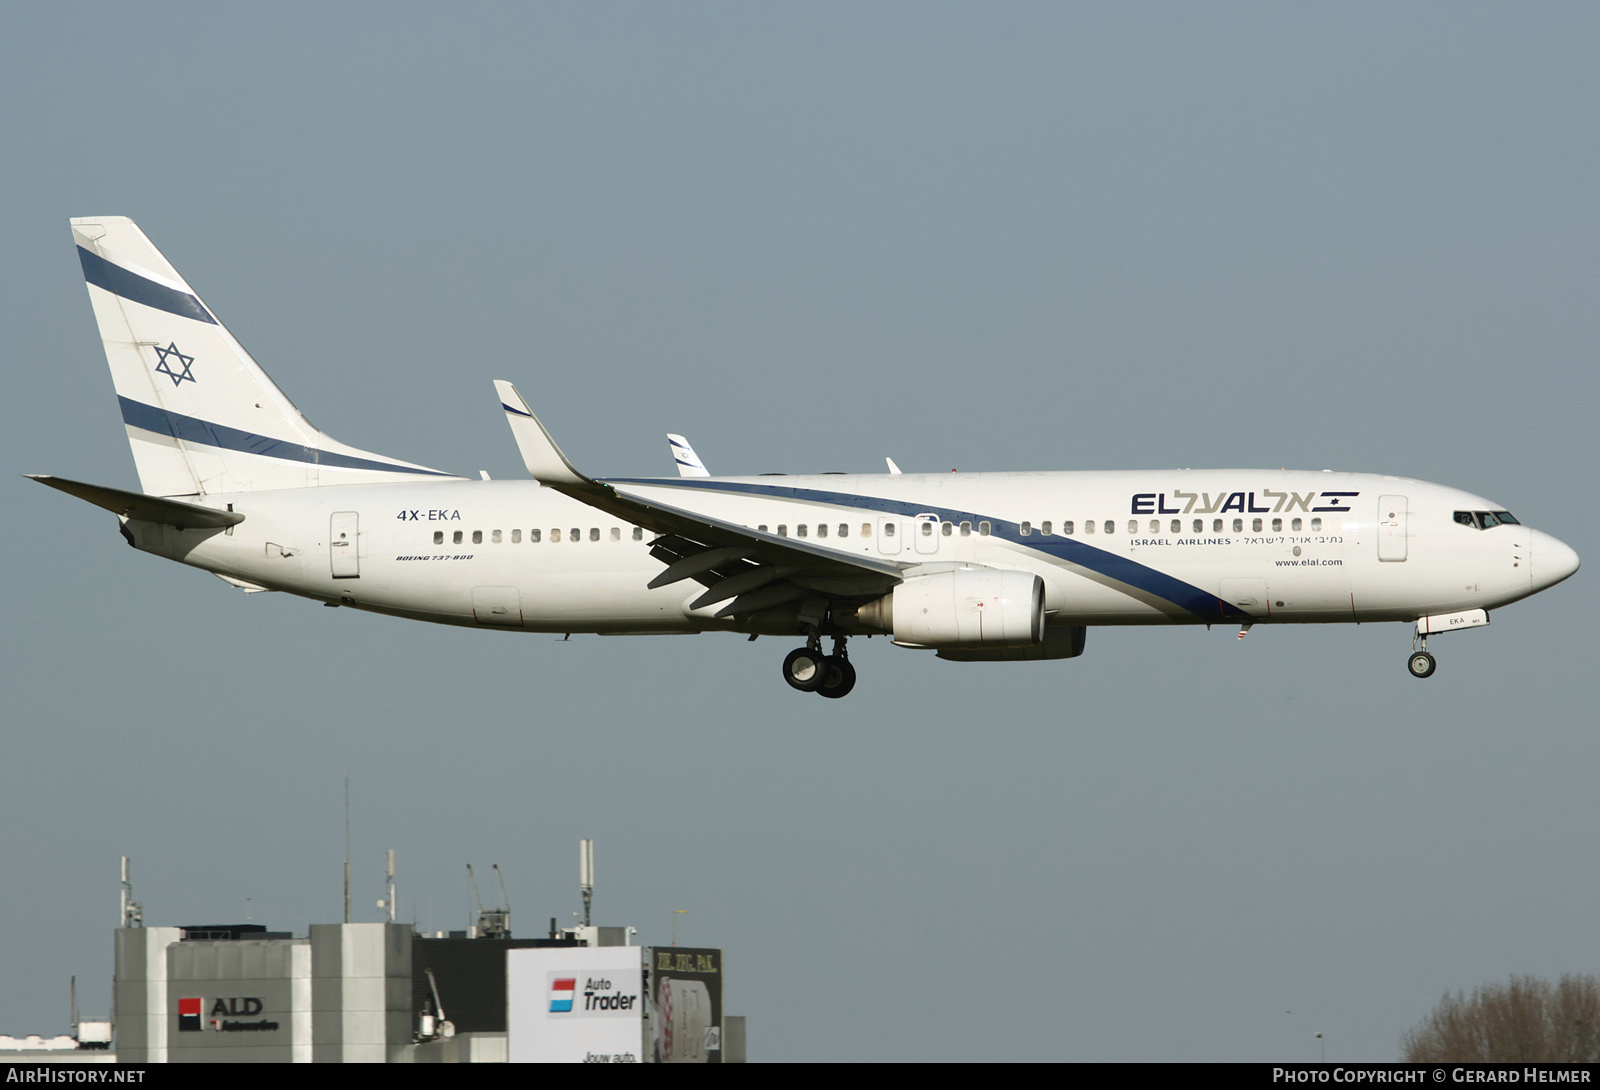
1528, 1020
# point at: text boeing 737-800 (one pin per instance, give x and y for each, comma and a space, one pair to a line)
978, 567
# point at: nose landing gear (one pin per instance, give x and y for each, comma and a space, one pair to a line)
1421, 664
810, 671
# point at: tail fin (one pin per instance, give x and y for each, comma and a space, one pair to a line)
202, 416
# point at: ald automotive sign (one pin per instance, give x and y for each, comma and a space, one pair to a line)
233, 1014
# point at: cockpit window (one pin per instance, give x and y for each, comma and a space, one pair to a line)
1483, 520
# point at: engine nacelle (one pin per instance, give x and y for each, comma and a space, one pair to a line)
1059, 643
970, 608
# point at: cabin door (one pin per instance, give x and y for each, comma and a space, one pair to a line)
344, 545
1391, 527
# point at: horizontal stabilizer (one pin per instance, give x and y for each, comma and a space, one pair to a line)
540, 454
136, 505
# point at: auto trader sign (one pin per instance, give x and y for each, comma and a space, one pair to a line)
575, 1005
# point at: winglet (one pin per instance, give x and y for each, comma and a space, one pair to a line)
539, 452
892, 467
689, 463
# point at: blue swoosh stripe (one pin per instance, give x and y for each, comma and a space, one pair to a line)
1130, 572
130, 285
190, 429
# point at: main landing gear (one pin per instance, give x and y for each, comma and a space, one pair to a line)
810, 671
1421, 664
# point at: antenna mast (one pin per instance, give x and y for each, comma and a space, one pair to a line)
347, 847
586, 875
132, 913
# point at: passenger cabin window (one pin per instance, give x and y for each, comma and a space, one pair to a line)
438, 537
477, 537
800, 530
555, 534
1199, 526
576, 534
516, 537
1133, 526
1255, 525
783, 529
638, 533
1066, 527
1277, 526
1238, 526
1177, 526
533, 536
966, 529
1044, 528
983, 529
1295, 525
455, 538
888, 529
594, 533
822, 529
947, 528
1216, 526
616, 533
1111, 527
866, 529
1155, 526
844, 529
1316, 524
1026, 529
1088, 526
494, 537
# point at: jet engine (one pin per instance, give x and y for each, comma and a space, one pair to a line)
969, 608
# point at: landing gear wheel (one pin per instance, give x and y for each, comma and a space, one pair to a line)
1421, 664
803, 669
838, 677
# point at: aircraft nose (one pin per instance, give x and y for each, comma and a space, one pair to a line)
1553, 560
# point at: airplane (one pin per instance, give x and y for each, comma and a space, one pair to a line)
976, 567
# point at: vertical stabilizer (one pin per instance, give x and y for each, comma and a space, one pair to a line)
202, 416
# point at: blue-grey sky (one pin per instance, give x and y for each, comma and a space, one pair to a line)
1003, 236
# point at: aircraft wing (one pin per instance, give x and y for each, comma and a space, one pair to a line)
756, 570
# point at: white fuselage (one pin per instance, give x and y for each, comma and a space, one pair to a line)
1113, 548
